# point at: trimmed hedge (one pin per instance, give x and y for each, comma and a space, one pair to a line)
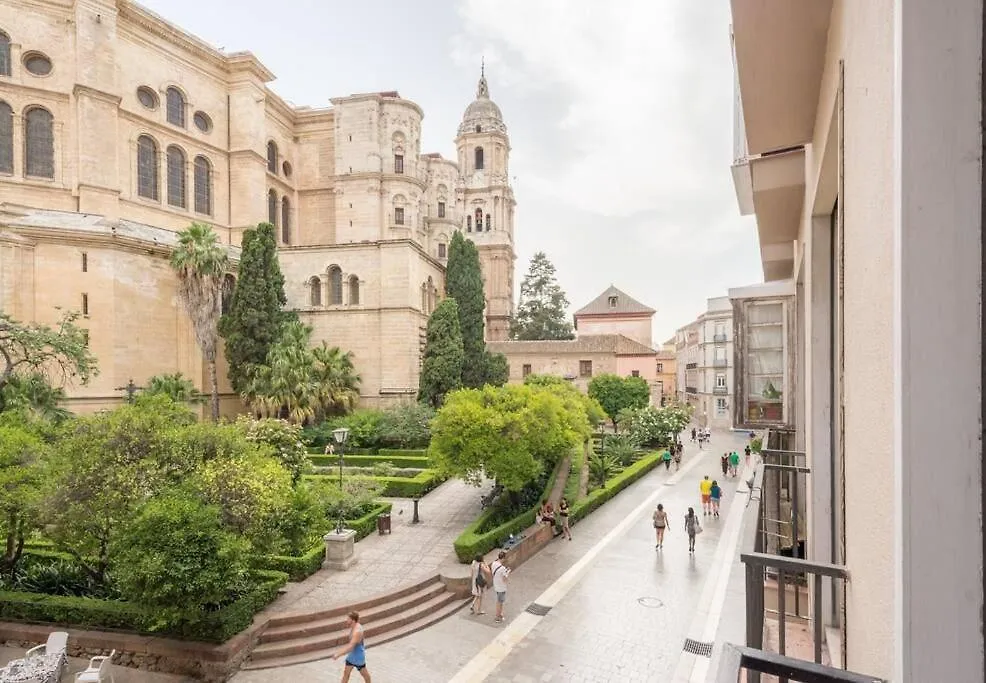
398, 487
470, 543
349, 451
404, 452
299, 567
400, 461
91, 613
613, 486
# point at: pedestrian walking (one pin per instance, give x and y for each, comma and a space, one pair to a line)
734, 464
500, 573
480, 573
705, 488
677, 458
355, 651
747, 451
660, 525
667, 459
563, 513
693, 434
724, 463
692, 528
715, 494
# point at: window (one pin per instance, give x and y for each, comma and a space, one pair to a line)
635, 373
176, 177
203, 186
353, 290
85, 262
660, 368
335, 285
468, 223
37, 64
286, 220
479, 128
721, 406
398, 163
272, 157
525, 370
286, 169
585, 368
147, 167
85, 304
4, 54
720, 380
479, 220
441, 209
399, 215
85, 337
272, 207
175, 102
147, 97
229, 284
39, 143
488, 219
202, 121
315, 291
479, 159
613, 300
6, 138
441, 250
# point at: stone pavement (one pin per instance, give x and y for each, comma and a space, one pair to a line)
409, 553
600, 623
121, 674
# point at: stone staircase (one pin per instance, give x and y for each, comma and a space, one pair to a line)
297, 638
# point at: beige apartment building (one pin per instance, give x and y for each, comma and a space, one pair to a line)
860, 152
666, 373
118, 129
704, 363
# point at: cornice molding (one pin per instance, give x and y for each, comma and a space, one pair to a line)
96, 94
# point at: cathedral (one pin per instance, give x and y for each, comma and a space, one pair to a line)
119, 129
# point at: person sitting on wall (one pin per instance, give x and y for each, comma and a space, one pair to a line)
547, 513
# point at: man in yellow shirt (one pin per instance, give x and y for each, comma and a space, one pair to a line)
705, 486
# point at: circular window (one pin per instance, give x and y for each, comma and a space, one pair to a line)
202, 121
147, 97
286, 167
37, 64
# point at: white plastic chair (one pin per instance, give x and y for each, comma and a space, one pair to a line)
56, 644
98, 671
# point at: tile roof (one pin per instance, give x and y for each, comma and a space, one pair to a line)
596, 343
624, 304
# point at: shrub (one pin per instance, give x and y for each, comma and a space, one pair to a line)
59, 575
393, 487
284, 441
384, 469
406, 425
412, 460
613, 486
357, 496
602, 468
756, 445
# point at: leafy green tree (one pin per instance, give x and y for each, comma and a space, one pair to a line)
284, 441
441, 370
177, 387
464, 283
616, 393
201, 262
58, 354
496, 370
175, 556
21, 452
650, 426
407, 425
256, 310
569, 393
541, 313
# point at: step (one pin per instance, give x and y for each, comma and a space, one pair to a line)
327, 652
297, 646
342, 610
320, 624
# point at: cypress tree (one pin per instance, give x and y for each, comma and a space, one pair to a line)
256, 312
464, 283
441, 371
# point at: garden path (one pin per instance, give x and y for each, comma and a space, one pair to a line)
383, 563
564, 472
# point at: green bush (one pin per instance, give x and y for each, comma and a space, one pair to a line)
420, 461
403, 453
602, 468
756, 445
393, 487
613, 486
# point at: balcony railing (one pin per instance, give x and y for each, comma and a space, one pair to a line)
721, 391
720, 362
691, 366
773, 548
719, 338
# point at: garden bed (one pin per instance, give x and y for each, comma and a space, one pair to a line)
394, 487
614, 485
415, 459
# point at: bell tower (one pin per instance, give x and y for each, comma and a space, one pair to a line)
486, 204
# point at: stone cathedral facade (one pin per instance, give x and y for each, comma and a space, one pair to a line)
118, 129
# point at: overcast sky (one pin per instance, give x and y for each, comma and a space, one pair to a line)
619, 115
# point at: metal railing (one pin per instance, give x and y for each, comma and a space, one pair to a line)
720, 390
736, 659
719, 338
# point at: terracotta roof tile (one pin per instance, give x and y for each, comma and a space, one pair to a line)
624, 304
596, 343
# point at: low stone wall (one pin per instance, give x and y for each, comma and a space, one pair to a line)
210, 663
535, 538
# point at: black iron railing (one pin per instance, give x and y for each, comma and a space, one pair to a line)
736, 659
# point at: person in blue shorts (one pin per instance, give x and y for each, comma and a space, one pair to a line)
355, 650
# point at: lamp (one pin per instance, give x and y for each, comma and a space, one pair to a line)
340, 435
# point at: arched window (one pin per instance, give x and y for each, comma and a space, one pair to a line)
468, 223
335, 286
272, 207
4, 54
479, 220
488, 221
175, 103
229, 284
203, 186
272, 157
479, 159
176, 177
353, 290
315, 291
286, 220
147, 167
39, 143
6, 138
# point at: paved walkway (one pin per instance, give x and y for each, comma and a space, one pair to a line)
121, 674
409, 553
600, 622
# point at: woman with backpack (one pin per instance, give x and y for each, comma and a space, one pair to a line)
480, 573
692, 528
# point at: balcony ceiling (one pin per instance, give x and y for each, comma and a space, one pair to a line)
778, 184
780, 55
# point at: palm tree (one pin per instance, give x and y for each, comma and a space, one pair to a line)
284, 386
337, 383
34, 395
177, 387
200, 262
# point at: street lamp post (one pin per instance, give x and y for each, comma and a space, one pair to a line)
340, 435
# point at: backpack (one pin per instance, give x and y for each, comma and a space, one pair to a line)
480, 579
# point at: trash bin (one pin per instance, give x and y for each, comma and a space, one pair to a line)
383, 524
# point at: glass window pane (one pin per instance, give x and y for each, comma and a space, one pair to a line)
39, 138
